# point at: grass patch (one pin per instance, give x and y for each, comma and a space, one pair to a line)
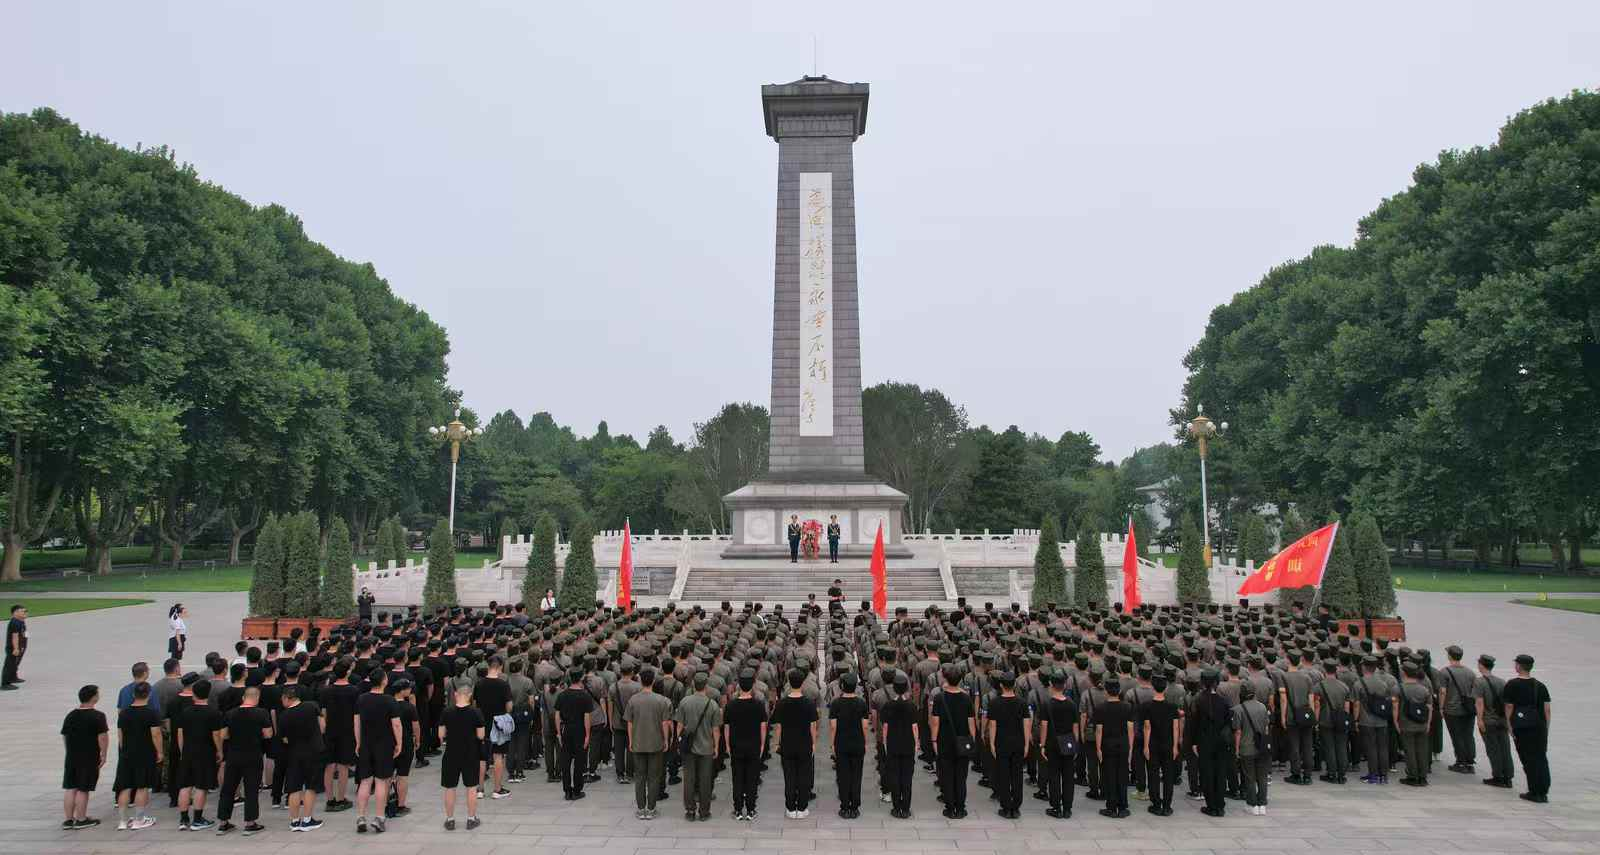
37, 560
1588, 605
1482, 581
65, 605
234, 577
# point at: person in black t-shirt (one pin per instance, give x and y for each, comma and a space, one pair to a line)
744, 725
377, 744
952, 715
492, 695
85, 735
848, 717
247, 730
300, 726
1163, 728
338, 701
1527, 709
795, 718
16, 645
1008, 725
1061, 719
899, 717
401, 690
574, 709
1113, 734
199, 735
138, 755
461, 728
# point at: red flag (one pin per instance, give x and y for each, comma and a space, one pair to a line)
1297, 566
625, 570
1130, 572
880, 578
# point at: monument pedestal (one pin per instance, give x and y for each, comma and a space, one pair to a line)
760, 513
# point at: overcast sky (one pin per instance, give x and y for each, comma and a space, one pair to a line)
1051, 198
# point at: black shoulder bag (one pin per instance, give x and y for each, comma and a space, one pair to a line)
1414, 710
1528, 717
1066, 743
1340, 717
962, 738
686, 742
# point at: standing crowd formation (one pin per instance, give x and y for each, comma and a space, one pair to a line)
1123, 705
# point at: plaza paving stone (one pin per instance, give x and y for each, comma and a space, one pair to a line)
1456, 815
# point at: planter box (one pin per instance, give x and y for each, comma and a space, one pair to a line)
287, 625
1384, 629
252, 628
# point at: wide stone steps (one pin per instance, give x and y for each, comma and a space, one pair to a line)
781, 581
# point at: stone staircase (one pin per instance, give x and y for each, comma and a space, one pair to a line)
778, 581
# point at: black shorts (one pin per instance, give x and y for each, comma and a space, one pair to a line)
302, 772
136, 774
457, 772
81, 775
172, 647
197, 770
402, 764
375, 761
340, 749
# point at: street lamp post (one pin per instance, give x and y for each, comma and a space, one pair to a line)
1203, 429
455, 433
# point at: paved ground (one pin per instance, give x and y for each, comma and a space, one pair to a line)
1456, 815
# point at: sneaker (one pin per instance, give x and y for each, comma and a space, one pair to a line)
1141, 796
253, 828
310, 823
377, 825
473, 822
480, 792
885, 798
802, 813
279, 805
1261, 810
225, 828
450, 824
72, 825
141, 823
751, 815
87, 822
361, 825
640, 813
182, 825
788, 813
501, 793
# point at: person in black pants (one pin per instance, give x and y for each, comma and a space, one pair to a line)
1163, 722
953, 719
1113, 734
574, 710
794, 539
1061, 719
16, 646
247, 729
850, 723
1210, 733
1008, 725
1527, 708
833, 539
899, 735
745, 733
795, 720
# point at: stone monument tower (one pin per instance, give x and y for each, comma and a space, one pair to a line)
815, 464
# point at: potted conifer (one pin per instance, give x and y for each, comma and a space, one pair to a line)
337, 602
266, 583
302, 574
1374, 579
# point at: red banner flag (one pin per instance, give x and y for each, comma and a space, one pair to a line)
1299, 565
625, 570
880, 578
1130, 571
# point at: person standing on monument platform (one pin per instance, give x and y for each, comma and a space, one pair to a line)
1527, 708
834, 532
794, 538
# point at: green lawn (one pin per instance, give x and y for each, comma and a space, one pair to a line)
61, 559
228, 578
1590, 605
1485, 581
53, 606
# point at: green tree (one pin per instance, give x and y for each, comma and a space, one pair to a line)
1373, 576
541, 574
1341, 592
1002, 497
1089, 571
338, 599
440, 587
1253, 544
914, 441
1194, 577
303, 568
1143, 528
1049, 574
578, 583
267, 582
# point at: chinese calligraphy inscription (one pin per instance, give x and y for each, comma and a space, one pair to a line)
816, 303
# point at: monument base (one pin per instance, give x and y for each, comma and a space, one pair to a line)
760, 513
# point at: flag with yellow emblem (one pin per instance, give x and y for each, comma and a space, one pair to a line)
1299, 565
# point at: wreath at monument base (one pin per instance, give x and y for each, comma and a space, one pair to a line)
811, 538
